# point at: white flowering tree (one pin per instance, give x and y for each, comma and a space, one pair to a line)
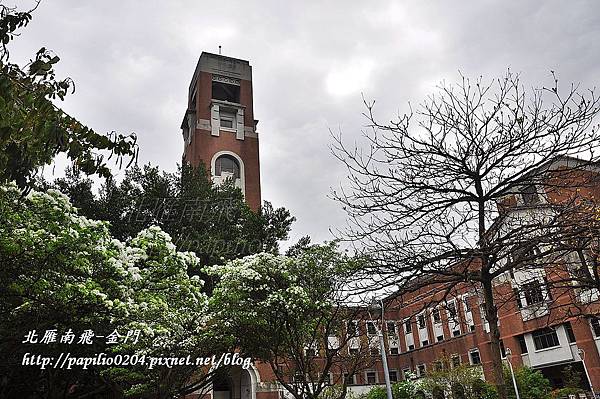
61, 272
291, 312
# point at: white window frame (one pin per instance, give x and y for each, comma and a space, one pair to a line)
591, 321
371, 323
367, 377
405, 373
471, 356
213, 168
230, 117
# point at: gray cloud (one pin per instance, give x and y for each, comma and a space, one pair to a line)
132, 62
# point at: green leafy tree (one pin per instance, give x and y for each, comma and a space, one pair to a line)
572, 383
462, 382
33, 130
531, 384
376, 393
212, 221
284, 310
406, 389
62, 271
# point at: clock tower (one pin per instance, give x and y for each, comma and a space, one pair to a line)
219, 129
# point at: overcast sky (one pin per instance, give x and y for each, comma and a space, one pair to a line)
132, 62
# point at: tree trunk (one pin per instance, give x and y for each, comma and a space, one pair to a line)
491, 314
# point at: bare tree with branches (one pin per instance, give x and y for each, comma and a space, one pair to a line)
462, 190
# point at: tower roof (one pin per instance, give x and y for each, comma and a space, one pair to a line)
221, 65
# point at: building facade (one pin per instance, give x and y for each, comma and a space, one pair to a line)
548, 319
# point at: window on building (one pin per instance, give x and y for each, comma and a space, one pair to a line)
455, 360
547, 290
353, 351
456, 333
421, 320
467, 305
482, 312
533, 292
333, 342
411, 347
583, 273
530, 195
523, 256
371, 377
452, 311
349, 379
371, 330
391, 328
522, 343
474, 356
472, 327
517, 296
225, 92
408, 326
393, 376
570, 333
421, 371
595, 323
227, 119
436, 316
545, 338
438, 365
425, 342
502, 350
393, 351
440, 338
227, 164
405, 373
352, 328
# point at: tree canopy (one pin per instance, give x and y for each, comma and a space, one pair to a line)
64, 272
33, 129
291, 312
211, 220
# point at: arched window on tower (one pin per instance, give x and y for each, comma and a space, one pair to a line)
228, 167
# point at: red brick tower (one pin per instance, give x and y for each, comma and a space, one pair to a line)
219, 128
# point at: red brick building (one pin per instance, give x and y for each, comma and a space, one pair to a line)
545, 321
421, 329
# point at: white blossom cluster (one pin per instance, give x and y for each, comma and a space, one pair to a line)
142, 284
